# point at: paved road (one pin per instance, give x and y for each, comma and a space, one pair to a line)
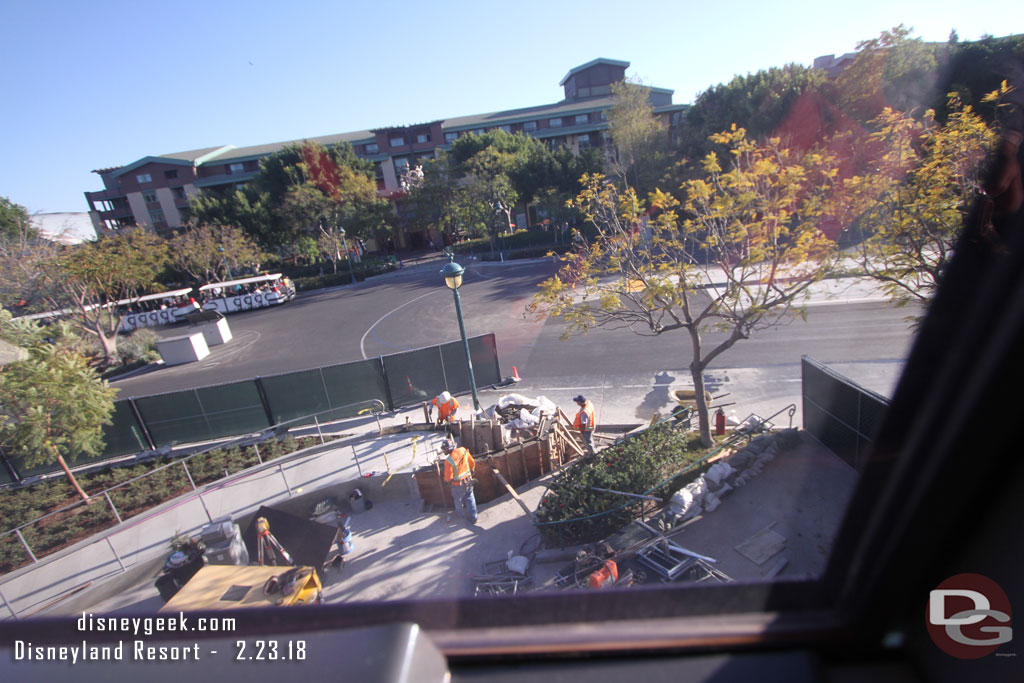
411, 309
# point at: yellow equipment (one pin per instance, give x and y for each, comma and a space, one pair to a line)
230, 587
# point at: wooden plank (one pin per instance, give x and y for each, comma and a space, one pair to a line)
496, 435
440, 480
567, 437
485, 436
514, 494
522, 459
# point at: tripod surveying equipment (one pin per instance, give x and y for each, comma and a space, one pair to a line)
268, 547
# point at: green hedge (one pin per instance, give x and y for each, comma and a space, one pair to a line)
635, 465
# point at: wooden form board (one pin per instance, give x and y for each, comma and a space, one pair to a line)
520, 462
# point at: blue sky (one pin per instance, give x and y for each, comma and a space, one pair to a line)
96, 84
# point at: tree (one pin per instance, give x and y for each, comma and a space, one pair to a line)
301, 191
758, 102
912, 206
637, 136
489, 191
52, 405
740, 261
15, 223
84, 279
893, 70
212, 253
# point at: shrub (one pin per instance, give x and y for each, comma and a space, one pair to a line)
637, 465
138, 347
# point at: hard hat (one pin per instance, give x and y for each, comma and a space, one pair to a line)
580, 399
447, 446
444, 397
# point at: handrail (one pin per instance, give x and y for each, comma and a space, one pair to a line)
236, 441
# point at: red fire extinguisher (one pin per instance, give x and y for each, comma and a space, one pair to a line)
720, 422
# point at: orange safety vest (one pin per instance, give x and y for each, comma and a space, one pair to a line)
446, 410
458, 466
588, 410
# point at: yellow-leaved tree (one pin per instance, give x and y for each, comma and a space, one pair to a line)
912, 204
736, 257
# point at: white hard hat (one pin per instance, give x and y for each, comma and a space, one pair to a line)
444, 397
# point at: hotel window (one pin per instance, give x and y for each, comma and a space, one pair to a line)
157, 216
582, 118
583, 92
530, 125
478, 131
397, 141
507, 129
178, 192
371, 148
149, 196
171, 174
422, 138
236, 168
555, 123
451, 137
401, 165
604, 115
144, 178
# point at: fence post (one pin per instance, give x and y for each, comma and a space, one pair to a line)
262, 391
202, 502
387, 384
119, 520
356, 458
285, 479
15, 476
188, 474
256, 448
116, 556
317, 422
25, 543
142, 423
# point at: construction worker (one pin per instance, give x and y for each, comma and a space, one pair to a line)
458, 471
585, 422
446, 407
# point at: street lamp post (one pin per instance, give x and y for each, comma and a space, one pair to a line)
348, 254
452, 274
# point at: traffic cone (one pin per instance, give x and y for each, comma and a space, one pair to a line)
408, 381
515, 375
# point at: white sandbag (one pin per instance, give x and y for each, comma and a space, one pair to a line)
545, 407
515, 400
711, 502
688, 500
518, 564
718, 472
527, 419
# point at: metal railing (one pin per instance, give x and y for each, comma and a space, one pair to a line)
245, 440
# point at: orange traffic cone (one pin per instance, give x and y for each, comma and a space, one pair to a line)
515, 375
409, 382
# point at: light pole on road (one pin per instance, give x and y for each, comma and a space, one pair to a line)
452, 274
